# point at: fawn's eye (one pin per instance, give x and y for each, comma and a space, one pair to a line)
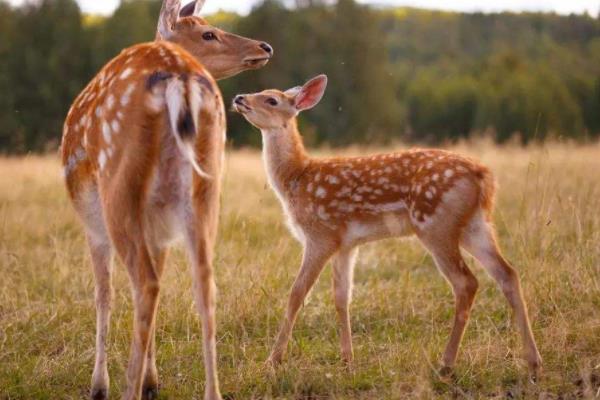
271, 101
209, 36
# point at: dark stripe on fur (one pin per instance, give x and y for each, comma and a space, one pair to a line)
185, 125
205, 82
156, 77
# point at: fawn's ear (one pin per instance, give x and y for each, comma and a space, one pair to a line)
169, 13
192, 8
311, 93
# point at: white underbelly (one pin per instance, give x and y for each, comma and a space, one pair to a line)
388, 226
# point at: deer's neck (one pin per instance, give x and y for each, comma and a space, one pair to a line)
284, 156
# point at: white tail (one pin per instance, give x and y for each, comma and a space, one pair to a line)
334, 205
183, 104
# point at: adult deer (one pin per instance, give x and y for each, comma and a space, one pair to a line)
334, 205
142, 153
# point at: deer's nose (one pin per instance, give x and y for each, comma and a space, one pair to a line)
266, 47
239, 100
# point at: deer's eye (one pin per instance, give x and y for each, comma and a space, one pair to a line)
209, 36
271, 101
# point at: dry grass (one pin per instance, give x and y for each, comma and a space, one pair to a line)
549, 226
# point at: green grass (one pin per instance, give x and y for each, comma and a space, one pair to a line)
549, 226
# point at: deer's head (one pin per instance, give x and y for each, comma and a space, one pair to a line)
223, 54
273, 109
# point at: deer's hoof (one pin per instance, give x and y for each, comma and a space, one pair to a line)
99, 394
150, 393
535, 369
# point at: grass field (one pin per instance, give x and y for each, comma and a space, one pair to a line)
548, 218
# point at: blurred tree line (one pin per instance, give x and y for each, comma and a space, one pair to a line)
395, 73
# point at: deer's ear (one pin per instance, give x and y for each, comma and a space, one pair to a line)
311, 93
198, 7
192, 8
293, 92
169, 14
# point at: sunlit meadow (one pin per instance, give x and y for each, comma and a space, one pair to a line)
548, 218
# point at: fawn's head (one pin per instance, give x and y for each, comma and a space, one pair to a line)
273, 109
223, 54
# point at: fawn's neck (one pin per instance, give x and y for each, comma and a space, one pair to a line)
284, 155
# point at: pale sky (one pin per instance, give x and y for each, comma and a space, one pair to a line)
243, 6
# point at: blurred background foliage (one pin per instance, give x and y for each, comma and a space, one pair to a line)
395, 73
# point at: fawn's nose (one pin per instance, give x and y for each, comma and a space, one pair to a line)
239, 100
266, 47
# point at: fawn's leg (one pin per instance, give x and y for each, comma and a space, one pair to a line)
479, 240
150, 386
314, 259
343, 272
101, 254
446, 254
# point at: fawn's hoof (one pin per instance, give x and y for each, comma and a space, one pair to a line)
446, 374
273, 360
150, 393
99, 394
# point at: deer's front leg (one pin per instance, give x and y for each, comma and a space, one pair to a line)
314, 259
343, 272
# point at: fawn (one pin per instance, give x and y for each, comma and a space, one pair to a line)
142, 152
334, 205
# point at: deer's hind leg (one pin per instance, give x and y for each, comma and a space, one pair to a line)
479, 240
127, 230
151, 382
88, 206
449, 261
440, 233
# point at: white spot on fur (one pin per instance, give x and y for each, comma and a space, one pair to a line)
106, 131
448, 173
102, 159
344, 192
321, 192
322, 213
125, 74
333, 179
126, 98
110, 101
115, 126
